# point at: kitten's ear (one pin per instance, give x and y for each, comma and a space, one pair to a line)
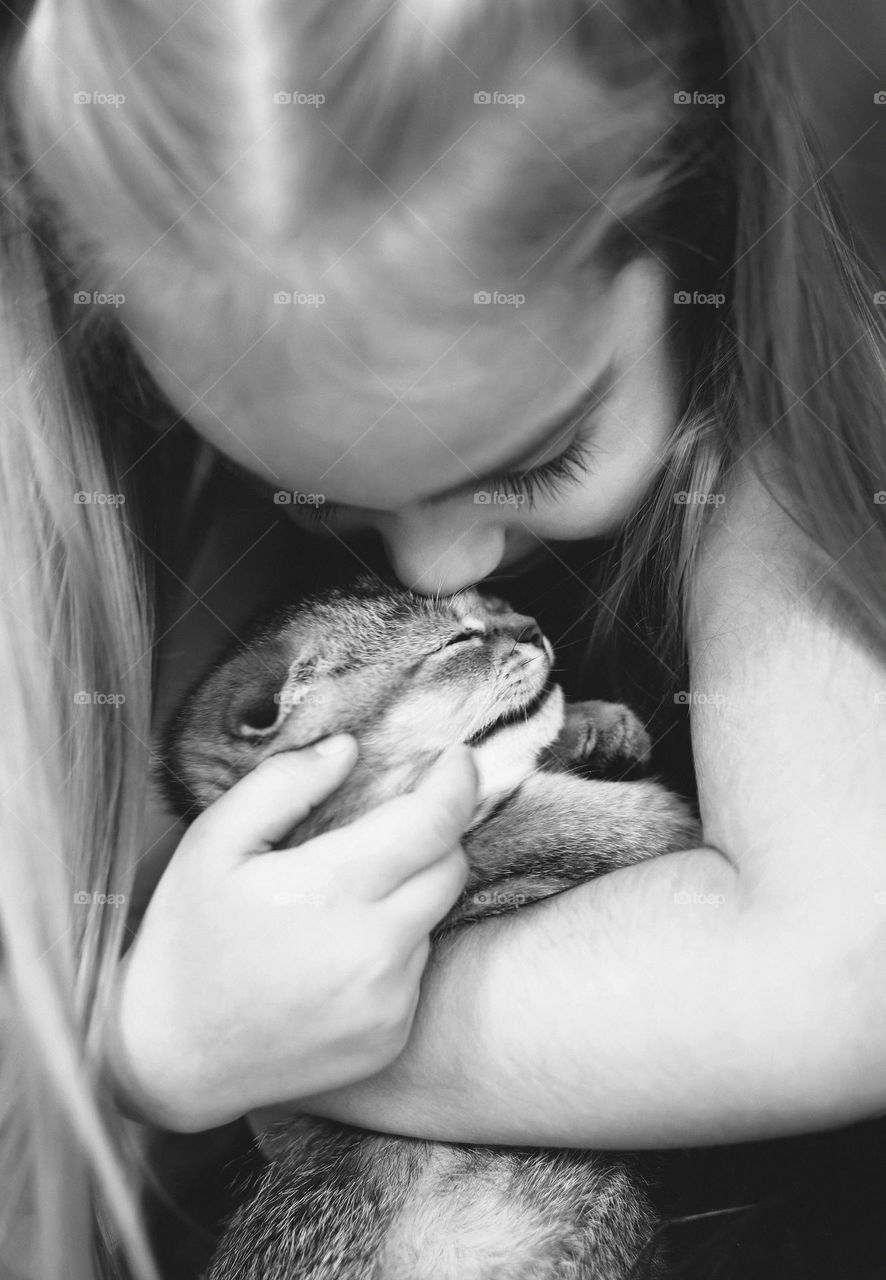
254, 710
267, 683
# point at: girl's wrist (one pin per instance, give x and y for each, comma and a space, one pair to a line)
144, 1092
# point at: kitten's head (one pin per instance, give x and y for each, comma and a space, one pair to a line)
407, 675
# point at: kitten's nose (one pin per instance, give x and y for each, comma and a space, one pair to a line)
520, 628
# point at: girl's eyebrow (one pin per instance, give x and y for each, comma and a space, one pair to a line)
550, 433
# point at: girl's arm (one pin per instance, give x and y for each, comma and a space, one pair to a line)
619, 1014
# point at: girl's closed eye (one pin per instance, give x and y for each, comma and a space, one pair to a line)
321, 513
549, 479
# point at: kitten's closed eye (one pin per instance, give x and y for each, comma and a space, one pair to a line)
464, 637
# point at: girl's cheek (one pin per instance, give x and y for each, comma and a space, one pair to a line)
593, 511
589, 512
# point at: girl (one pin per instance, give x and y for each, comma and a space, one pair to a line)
483, 279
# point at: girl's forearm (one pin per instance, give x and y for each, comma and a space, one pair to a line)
658, 1005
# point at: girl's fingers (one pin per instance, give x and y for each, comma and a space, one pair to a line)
405, 836
423, 900
261, 808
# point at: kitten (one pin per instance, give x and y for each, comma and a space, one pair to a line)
409, 676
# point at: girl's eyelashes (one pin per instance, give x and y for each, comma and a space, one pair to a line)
321, 512
550, 478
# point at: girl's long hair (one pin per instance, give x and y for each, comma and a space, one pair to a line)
727, 197
789, 379
75, 665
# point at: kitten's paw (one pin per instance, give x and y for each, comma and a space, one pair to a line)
605, 735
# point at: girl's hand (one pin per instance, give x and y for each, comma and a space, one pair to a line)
261, 974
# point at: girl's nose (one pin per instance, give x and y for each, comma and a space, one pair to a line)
433, 557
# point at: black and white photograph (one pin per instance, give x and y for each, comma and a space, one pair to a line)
443, 640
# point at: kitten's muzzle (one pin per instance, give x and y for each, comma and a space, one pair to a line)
525, 631
527, 636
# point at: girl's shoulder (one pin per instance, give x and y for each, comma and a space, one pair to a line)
788, 704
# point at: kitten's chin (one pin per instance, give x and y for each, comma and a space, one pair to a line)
508, 756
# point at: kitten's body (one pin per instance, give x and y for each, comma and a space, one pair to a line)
410, 677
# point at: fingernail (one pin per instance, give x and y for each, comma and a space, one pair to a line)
334, 746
